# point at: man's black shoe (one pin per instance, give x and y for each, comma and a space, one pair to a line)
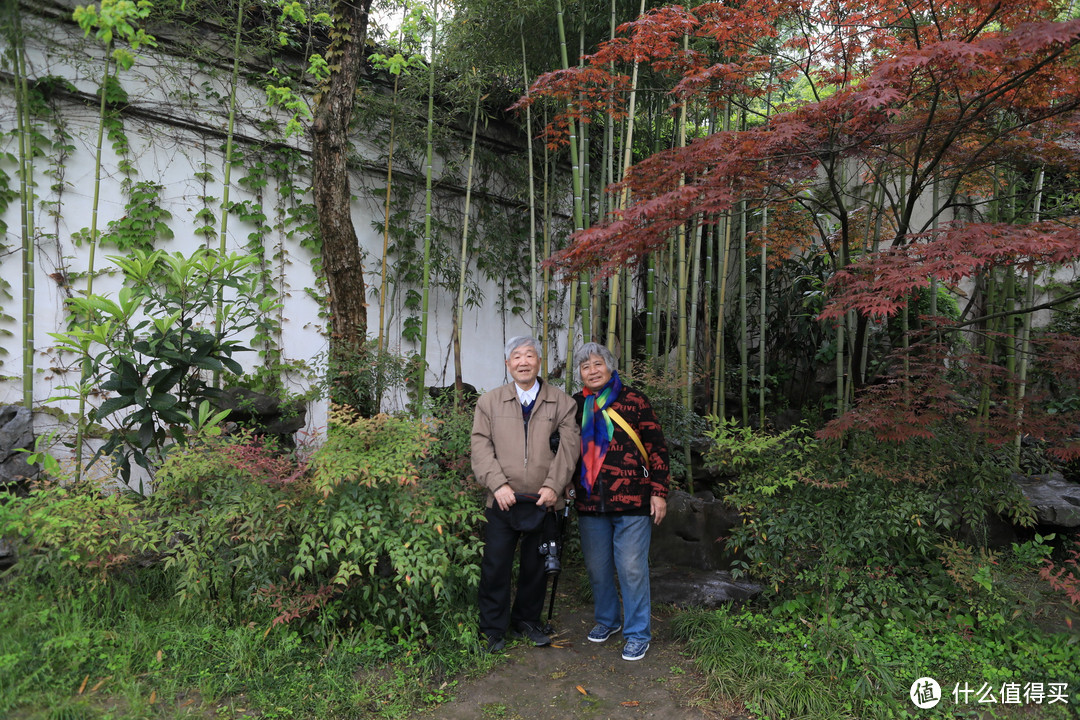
531, 632
496, 643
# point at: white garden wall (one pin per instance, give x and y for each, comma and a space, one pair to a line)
175, 122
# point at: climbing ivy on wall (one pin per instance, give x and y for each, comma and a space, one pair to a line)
7, 195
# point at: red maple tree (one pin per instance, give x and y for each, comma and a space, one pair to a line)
900, 102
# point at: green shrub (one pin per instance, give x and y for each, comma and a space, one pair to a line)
377, 533
79, 532
361, 378
152, 351
227, 514
863, 531
395, 533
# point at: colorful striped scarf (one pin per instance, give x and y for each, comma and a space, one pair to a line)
596, 430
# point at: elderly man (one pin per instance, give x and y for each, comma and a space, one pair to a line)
525, 445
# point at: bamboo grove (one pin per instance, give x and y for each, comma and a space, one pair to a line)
864, 186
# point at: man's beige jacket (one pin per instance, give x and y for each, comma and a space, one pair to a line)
501, 453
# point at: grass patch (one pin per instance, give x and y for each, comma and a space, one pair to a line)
127, 650
787, 666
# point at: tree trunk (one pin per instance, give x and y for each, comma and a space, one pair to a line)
330, 179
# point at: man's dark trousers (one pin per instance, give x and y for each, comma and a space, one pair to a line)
501, 540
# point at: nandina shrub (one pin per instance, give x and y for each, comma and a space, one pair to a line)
376, 535
1064, 577
395, 530
858, 531
74, 533
227, 513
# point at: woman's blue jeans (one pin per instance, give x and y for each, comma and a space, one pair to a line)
616, 543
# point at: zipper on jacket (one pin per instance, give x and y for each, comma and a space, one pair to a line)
525, 423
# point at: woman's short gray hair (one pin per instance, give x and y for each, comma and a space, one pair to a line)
521, 341
589, 349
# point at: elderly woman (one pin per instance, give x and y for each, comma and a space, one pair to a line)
620, 492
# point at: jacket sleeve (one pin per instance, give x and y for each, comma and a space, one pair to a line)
562, 467
485, 465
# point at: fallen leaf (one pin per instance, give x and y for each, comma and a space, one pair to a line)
582, 690
153, 697
83, 686
100, 682
630, 703
160, 656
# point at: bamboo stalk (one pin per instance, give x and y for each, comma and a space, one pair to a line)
80, 429
459, 307
545, 310
744, 330
682, 363
719, 384
1025, 336
624, 201
695, 298
532, 190
671, 300
575, 170
386, 220
26, 202
763, 317
650, 307
425, 293
723, 239
226, 181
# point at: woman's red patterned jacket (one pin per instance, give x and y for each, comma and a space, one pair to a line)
624, 486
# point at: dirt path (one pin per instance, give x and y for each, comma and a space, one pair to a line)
575, 678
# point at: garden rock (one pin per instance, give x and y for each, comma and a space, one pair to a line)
694, 588
1056, 500
692, 533
264, 414
16, 433
446, 392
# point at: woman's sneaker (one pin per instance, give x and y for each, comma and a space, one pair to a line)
600, 633
635, 649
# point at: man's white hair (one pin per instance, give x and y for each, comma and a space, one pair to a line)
521, 341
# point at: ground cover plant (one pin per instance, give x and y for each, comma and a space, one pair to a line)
302, 584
